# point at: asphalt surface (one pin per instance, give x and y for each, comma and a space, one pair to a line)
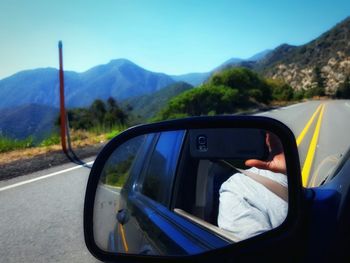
333, 141
41, 220
105, 214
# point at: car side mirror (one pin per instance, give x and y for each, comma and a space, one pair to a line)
193, 187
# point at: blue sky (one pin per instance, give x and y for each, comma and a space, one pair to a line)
173, 37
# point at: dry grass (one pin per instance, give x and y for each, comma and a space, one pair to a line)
79, 139
23, 154
84, 138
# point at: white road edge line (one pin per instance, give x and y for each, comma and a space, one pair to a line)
43, 177
110, 190
291, 106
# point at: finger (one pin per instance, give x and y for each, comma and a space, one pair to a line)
257, 163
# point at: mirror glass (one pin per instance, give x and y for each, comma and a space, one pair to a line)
189, 191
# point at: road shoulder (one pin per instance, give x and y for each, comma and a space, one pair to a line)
44, 162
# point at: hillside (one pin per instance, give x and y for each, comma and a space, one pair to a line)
228, 91
296, 64
194, 79
119, 78
27, 120
38, 86
145, 107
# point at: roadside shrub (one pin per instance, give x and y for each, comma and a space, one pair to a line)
53, 139
8, 144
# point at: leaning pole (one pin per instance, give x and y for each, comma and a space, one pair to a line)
62, 105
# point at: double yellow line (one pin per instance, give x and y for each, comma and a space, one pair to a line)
313, 144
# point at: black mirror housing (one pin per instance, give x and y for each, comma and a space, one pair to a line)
260, 245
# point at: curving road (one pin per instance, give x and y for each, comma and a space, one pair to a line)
41, 213
333, 134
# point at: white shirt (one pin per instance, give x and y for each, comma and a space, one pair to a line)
247, 208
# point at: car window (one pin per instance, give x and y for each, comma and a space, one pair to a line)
211, 186
162, 166
117, 169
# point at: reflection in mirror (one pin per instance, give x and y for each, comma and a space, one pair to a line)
113, 178
187, 192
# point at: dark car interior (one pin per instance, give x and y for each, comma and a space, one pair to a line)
198, 183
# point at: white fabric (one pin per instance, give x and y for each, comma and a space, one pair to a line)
247, 208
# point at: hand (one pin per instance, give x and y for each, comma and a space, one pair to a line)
276, 161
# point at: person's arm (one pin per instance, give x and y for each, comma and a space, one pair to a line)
238, 216
276, 161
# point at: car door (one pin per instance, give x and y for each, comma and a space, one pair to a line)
127, 236
164, 230
148, 194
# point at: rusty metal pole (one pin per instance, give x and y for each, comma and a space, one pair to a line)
62, 105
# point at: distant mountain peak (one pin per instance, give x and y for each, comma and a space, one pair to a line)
283, 48
232, 62
260, 55
29, 72
345, 22
120, 62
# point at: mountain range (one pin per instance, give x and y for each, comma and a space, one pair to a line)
119, 78
28, 120
296, 65
198, 78
128, 82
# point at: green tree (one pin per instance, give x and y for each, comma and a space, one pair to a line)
244, 80
227, 91
114, 114
80, 119
280, 90
99, 114
111, 103
343, 90
299, 94
98, 111
202, 101
319, 89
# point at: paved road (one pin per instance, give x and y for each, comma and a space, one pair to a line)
333, 140
41, 221
105, 214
